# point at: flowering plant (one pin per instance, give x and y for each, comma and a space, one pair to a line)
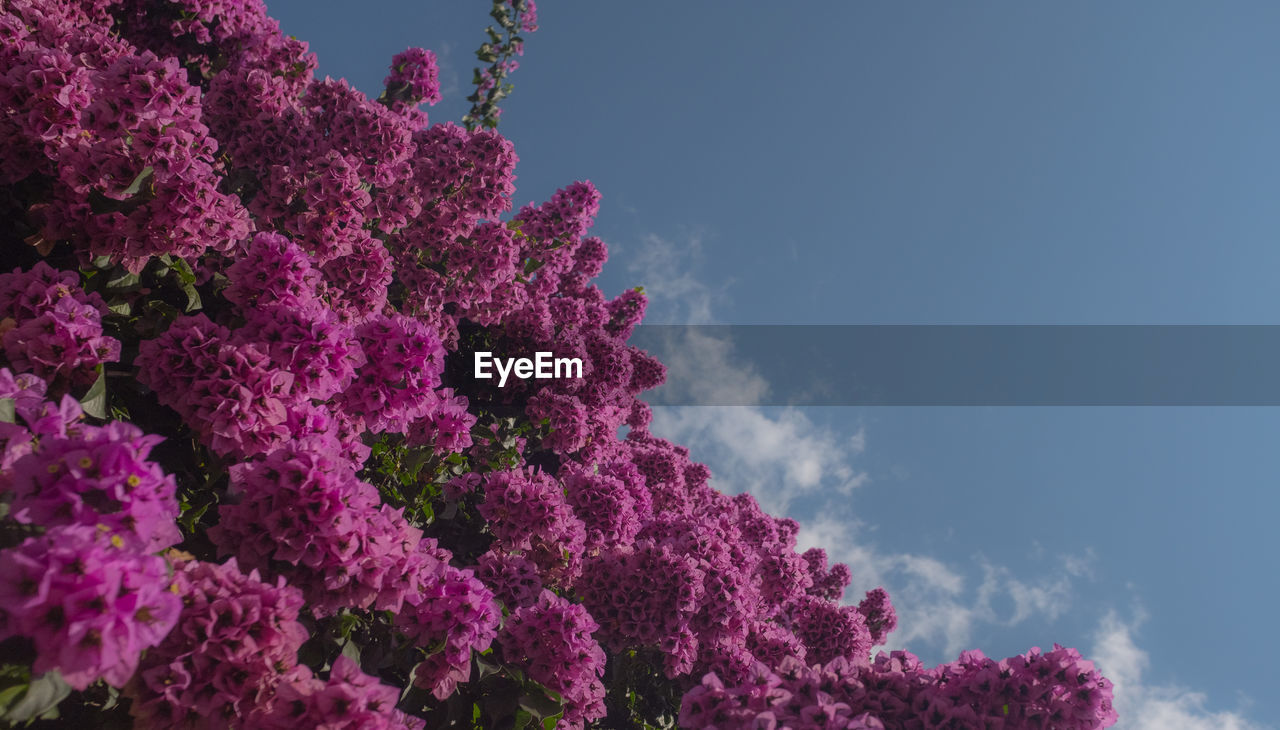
246, 479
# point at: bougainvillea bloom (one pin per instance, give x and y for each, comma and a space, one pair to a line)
287, 279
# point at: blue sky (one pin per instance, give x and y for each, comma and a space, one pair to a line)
976, 163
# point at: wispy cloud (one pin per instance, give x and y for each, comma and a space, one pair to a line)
665, 266
1048, 595
778, 456
939, 609
930, 597
703, 368
1144, 706
450, 83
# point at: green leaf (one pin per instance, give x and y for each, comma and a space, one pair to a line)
113, 698
187, 282
139, 181
351, 650
531, 266
193, 298
191, 515
185, 274
8, 695
94, 402
124, 281
485, 668
347, 623
120, 306
539, 703
8, 413
164, 309
43, 695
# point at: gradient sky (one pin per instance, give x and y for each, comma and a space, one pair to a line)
965, 163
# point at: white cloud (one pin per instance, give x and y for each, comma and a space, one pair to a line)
778, 457
665, 268
939, 611
1048, 596
1080, 566
929, 596
450, 84
1144, 706
701, 368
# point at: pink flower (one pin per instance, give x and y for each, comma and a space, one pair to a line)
90, 604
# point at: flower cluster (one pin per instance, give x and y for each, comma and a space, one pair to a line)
232, 661
87, 591
582, 414
552, 640
528, 514
356, 284
203, 34
97, 476
397, 383
414, 78
235, 640
1057, 689
829, 630
452, 614
830, 582
118, 132
54, 328
711, 581
272, 269
26, 392
450, 256
447, 425
878, 612
611, 502
646, 596
231, 394
348, 258
349, 700
320, 352
513, 579
89, 602
303, 514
